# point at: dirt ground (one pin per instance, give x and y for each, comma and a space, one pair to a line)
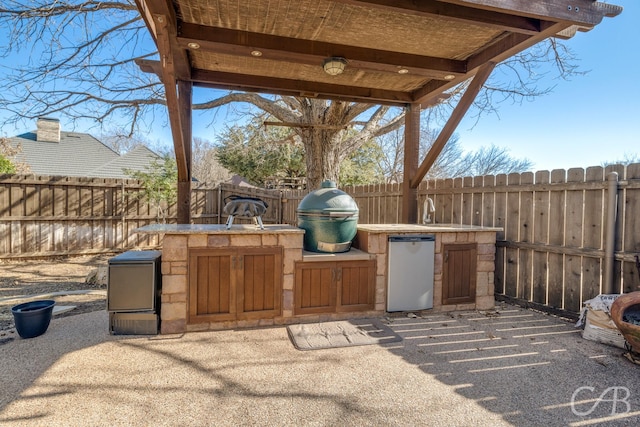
28, 280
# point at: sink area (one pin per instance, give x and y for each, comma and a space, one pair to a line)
423, 228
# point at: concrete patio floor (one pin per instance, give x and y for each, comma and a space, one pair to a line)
515, 367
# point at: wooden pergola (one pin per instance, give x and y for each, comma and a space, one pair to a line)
398, 52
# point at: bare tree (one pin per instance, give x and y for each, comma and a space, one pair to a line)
76, 58
121, 142
86, 71
493, 160
206, 167
627, 159
452, 162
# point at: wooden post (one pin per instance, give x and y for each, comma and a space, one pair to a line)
411, 159
184, 181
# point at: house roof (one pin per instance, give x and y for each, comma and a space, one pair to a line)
138, 159
77, 154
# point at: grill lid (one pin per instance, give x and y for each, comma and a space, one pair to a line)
329, 201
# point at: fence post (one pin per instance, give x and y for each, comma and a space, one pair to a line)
123, 211
219, 203
610, 242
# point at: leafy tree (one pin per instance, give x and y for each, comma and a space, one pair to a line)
257, 153
363, 167
6, 166
159, 183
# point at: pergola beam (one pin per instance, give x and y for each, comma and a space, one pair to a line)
581, 12
310, 52
456, 116
175, 74
458, 12
222, 80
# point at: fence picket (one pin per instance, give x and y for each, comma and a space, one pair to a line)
550, 250
573, 239
631, 242
540, 236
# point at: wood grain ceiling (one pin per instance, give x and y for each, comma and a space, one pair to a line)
438, 43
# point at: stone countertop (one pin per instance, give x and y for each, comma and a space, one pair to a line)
218, 229
426, 228
352, 254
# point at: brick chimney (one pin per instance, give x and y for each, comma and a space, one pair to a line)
48, 130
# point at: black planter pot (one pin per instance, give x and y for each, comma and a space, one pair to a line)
32, 318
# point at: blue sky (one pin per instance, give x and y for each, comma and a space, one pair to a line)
591, 119
586, 121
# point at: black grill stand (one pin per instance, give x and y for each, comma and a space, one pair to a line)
245, 207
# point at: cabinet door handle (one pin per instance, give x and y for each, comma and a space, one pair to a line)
240, 262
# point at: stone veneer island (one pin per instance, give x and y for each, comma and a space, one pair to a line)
214, 278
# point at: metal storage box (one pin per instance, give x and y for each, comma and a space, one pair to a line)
133, 323
133, 292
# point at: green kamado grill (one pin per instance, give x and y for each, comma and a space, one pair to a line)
330, 219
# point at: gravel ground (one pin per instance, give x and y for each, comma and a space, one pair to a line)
509, 367
26, 280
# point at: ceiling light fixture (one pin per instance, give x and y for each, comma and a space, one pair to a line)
256, 53
449, 77
193, 45
334, 65
403, 71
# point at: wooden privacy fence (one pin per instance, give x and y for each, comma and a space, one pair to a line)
48, 216
551, 250
54, 216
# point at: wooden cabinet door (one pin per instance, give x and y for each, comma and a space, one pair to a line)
235, 283
211, 286
356, 285
315, 288
459, 273
329, 287
259, 282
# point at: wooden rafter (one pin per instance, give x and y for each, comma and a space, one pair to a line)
458, 12
582, 12
309, 52
221, 80
458, 113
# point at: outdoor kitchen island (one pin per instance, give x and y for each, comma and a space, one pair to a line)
219, 278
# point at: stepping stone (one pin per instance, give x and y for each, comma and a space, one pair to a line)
57, 309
